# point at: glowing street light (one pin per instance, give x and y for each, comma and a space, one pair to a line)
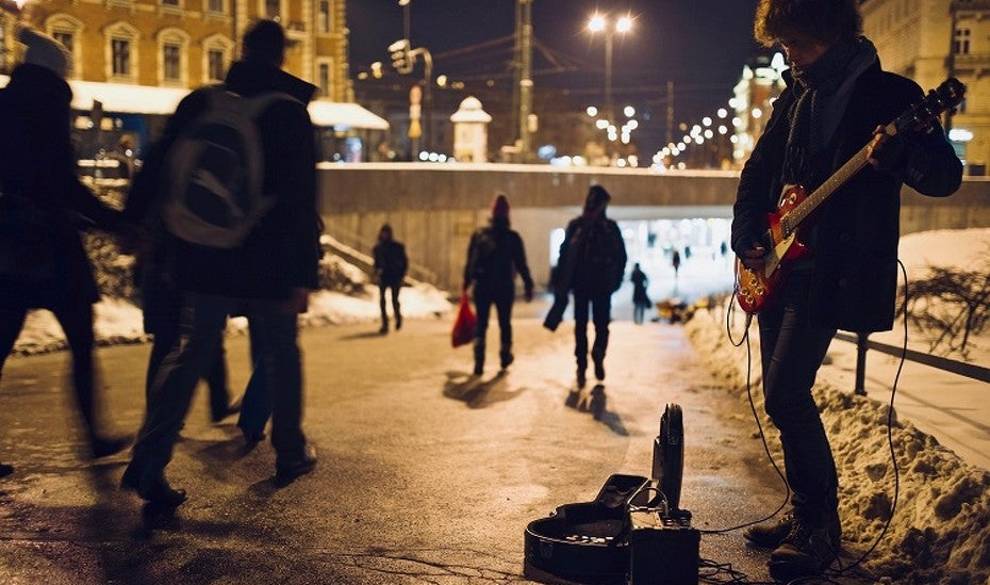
629, 111
624, 24
597, 23
600, 23
602, 124
722, 113
592, 111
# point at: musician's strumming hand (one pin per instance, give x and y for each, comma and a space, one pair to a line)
753, 258
884, 151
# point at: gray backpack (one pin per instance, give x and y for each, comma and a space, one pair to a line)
214, 172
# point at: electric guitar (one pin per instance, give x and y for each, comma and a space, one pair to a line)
754, 289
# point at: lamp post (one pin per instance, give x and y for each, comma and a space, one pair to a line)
406, 18
601, 23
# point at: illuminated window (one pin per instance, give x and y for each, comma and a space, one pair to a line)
215, 64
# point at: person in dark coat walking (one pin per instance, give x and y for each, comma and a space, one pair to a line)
592, 266
269, 273
495, 254
640, 299
390, 269
43, 209
837, 100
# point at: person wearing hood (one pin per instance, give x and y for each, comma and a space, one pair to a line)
495, 254
268, 274
43, 210
592, 267
837, 100
390, 270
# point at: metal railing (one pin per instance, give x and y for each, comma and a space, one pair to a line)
864, 343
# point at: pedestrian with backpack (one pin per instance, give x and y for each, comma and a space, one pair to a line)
495, 255
592, 267
390, 270
233, 189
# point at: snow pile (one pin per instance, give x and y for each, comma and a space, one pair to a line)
940, 532
345, 298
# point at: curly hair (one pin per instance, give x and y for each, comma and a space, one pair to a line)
824, 20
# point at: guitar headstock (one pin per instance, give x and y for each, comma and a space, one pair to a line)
946, 96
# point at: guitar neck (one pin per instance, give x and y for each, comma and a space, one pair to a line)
832, 184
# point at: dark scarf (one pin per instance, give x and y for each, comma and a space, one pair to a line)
822, 92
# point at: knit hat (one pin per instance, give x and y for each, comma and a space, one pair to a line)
500, 208
44, 51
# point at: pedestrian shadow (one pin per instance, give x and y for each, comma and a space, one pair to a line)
477, 393
362, 335
595, 401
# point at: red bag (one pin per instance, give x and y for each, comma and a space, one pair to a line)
464, 325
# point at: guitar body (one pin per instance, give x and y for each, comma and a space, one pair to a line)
755, 289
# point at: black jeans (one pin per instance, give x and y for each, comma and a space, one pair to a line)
601, 314
396, 309
203, 319
483, 307
792, 351
215, 376
76, 320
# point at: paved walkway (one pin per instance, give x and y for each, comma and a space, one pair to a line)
421, 478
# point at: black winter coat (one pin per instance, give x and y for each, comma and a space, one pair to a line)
38, 173
390, 262
282, 251
495, 255
855, 261
592, 257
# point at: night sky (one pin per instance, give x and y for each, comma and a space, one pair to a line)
701, 45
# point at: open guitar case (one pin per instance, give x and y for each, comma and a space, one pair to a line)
589, 542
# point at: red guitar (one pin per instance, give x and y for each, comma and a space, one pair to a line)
755, 289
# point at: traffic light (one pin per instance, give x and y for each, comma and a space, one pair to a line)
401, 59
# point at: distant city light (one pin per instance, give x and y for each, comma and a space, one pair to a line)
626, 139
442, 80
688, 140
695, 130
633, 124
734, 103
722, 113
592, 111
602, 124
733, 139
757, 113
621, 163
629, 111
723, 130
706, 121
737, 122
434, 157
424, 156
681, 146
681, 166
709, 134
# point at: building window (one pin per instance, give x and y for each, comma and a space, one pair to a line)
67, 30
217, 51
215, 65
960, 44
215, 6
323, 17
323, 79
273, 9
172, 62
66, 39
121, 50
170, 3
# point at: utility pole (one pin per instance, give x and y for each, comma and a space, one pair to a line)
525, 36
516, 67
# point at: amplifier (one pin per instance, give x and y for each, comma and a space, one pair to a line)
663, 548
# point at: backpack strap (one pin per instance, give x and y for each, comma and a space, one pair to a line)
256, 105
220, 97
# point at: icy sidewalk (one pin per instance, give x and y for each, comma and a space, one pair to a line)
941, 530
424, 476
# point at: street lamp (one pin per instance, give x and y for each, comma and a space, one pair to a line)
600, 23
406, 19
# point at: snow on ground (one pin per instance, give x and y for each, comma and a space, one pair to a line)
118, 321
941, 530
